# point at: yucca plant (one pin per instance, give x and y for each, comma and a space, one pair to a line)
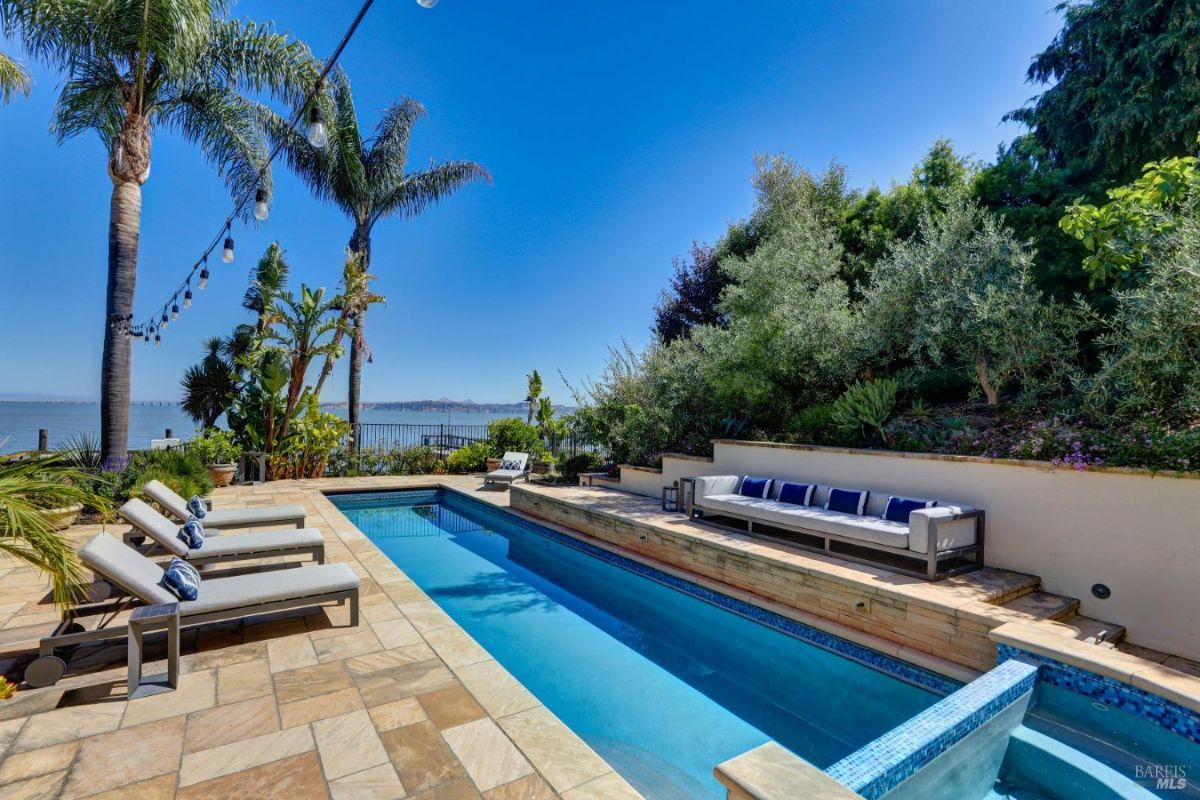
29, 491
867, 405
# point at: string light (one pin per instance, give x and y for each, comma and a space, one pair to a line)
318, 136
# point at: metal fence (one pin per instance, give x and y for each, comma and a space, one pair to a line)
389, 437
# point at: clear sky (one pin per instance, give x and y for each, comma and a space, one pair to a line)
617, 133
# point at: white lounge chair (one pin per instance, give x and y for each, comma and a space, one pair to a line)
176, 506
234, 597
217, 548
513, 466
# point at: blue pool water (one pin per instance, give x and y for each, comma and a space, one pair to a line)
662, 685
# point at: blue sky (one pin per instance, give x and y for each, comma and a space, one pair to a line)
617, 133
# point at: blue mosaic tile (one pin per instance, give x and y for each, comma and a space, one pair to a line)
1159, 710
898, 669
882, 765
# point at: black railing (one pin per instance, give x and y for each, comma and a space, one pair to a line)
389, 437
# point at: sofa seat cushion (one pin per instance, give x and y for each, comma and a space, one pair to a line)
810, 518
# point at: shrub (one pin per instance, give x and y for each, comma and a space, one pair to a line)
813, 425
179, 469
515, 435
866, 405
570, 467
471, 458
214, 446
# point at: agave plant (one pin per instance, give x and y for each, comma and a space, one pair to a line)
29, 492
867, 405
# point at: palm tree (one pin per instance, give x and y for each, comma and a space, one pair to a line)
133, 66
355, 298
13, 79
366, 178
211, 386
535, 391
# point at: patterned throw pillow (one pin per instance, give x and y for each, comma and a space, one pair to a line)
848, 501
511, 463
798, 494
192, 533
181, 579
898, 508
755, 487
196, 507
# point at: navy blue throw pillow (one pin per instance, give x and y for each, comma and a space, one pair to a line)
848, 501
192, 533
196, 507
755, 487
799, 494
898, 508
181, 579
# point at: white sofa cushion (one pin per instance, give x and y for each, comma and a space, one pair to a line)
951, 533
810, 518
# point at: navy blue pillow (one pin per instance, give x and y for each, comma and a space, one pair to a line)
848, 501
181, 579
192, 533
755, 487
196, 507
799, 494
898, 508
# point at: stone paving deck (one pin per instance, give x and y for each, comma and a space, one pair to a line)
293, 705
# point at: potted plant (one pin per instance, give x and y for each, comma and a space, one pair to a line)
544, 464
216, 450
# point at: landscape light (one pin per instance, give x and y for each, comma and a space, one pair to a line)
260, 205
227, 253
318, 136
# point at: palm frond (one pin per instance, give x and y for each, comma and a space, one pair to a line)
91, 100
255, 58
347, 175
13, 79
421, 189
388, 155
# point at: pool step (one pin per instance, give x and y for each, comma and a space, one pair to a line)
1045, 605
1097, 631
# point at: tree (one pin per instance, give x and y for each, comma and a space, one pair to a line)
212, 386
356, 297
133, 66
961, 295
13, 79
368, 181
1124, 78
534, 381
694, 297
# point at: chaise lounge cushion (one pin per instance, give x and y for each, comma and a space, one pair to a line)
811, 518
176, 506
253, 589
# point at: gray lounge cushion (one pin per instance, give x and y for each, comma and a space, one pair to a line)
137, 574
227, 517
166, 533
812, 518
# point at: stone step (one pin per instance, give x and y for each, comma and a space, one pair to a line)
1096, 631
1045, 605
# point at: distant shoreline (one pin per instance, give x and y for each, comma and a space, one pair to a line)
436, 406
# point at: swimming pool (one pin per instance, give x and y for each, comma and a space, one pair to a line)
662, 678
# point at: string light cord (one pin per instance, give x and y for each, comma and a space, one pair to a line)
153, 326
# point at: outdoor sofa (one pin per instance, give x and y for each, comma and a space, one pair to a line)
216, 548
219, 599
176, 506
927, 538
512, 466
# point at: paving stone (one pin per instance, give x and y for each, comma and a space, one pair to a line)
127, 756
243, 681
322, 706
423, 677
421, 757
237, 756
68, 724
292, 652
214, 727
296, 777
376, 783
160, 788
397, 714
31, 763
531, 787
43, 787
348, 744
299, 684
487, 754
559, 755
451, 706
338, 648
197, 690
460, 789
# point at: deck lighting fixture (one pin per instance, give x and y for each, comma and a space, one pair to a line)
260, 205
227, 252
318, 134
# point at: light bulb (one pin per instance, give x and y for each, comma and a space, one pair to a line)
163, 322
175, 311
203, 279
318, 134
157, 340
227, 253
260, 206
427, 3
187, 299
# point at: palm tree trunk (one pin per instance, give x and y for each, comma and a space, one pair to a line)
360, 243
125, 215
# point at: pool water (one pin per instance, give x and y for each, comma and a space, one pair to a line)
664, 686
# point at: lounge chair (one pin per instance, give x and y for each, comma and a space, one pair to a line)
508, 474
262, 544
234, 597
176, 506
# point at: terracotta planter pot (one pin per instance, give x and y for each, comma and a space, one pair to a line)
493, 464
63, 518
222, 474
